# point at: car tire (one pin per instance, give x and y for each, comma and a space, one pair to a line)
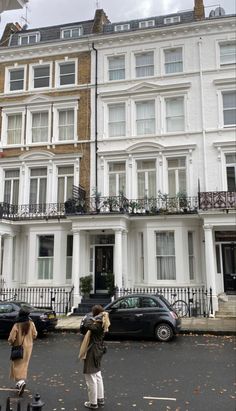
164, 332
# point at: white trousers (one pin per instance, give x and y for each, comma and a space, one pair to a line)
95, 387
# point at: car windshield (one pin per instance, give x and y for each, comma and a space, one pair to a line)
25, 306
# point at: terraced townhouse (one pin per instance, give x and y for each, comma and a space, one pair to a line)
155, 186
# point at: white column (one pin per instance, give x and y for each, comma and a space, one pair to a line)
210, 264
118, 259
76, 265
125, 263
7, 264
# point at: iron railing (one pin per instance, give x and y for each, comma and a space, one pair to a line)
217, 200
197, 298
59, 299
162, 204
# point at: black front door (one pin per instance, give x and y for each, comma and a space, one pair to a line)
103, 266
229, 267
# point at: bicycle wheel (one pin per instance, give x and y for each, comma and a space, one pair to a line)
181, 308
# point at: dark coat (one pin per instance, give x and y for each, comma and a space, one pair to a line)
92, 363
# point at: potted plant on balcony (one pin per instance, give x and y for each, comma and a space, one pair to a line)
86, 285
70, 206
183, 203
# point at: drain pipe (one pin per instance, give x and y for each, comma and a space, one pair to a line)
96, 116
202, 116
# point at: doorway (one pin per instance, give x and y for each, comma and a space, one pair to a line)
229, 267
103, 266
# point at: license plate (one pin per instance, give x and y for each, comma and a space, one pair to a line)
51, 316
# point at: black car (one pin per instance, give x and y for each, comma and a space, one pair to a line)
143, 315
44, 319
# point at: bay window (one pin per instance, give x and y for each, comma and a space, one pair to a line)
165, 255
45, 257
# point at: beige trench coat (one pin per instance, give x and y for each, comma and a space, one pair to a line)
19, 368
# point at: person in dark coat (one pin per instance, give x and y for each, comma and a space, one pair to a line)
91, 351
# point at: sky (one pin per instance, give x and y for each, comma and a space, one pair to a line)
42, 13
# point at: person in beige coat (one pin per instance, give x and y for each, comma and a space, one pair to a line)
23, 331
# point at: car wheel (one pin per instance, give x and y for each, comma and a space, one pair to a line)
164, 332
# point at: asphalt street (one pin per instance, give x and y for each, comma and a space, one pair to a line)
191, 373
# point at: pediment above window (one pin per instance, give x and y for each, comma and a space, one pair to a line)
38, 100
145, 148
37, 155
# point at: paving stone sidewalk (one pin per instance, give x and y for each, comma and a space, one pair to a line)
225, 326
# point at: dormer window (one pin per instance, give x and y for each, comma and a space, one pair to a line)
122, 27
72, 32
171, 20
146, 23
31, 38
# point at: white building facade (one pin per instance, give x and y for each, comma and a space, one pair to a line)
162, 167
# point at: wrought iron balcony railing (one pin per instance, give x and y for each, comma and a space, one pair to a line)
217, 200
162, 204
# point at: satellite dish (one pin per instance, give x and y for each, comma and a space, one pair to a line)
219, 11
212, 13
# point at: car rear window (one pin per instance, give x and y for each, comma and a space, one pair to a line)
165, 301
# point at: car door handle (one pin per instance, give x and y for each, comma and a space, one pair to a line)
138, 315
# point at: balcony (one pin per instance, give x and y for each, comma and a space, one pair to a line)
161, 205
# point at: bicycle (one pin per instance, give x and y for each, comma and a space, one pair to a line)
179, 306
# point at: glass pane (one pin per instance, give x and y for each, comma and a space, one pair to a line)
12, 173
17, 85
116, 166
60, 190
37, 172
46, 245
146, 164
67, 79
67, 68
41, 71
69, 246
122, 184
231, 178
152, 184
229, 100
231, 158
15, 193
17, 74
141, 185
7, 192
112, 184
66, 170
42, 190
182, 180
230, 117
171, 183
69, 188
33, 191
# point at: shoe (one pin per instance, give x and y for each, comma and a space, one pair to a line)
21, 388
88, 404
101, 402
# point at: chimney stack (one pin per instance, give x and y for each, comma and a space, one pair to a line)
199, 11
100, 19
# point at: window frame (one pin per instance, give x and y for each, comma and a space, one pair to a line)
140, 53
38, 109
109, 70
172, 20
175, 97
28, 35
34, 66
43, 257
8, 112
12, 185
176, 170
7, 83
139, 101
167, 232
228, 91
58, 64
168, 49
122, 27
146, 23
117, 174
225, 43
70, 29
65, 106
113, 104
